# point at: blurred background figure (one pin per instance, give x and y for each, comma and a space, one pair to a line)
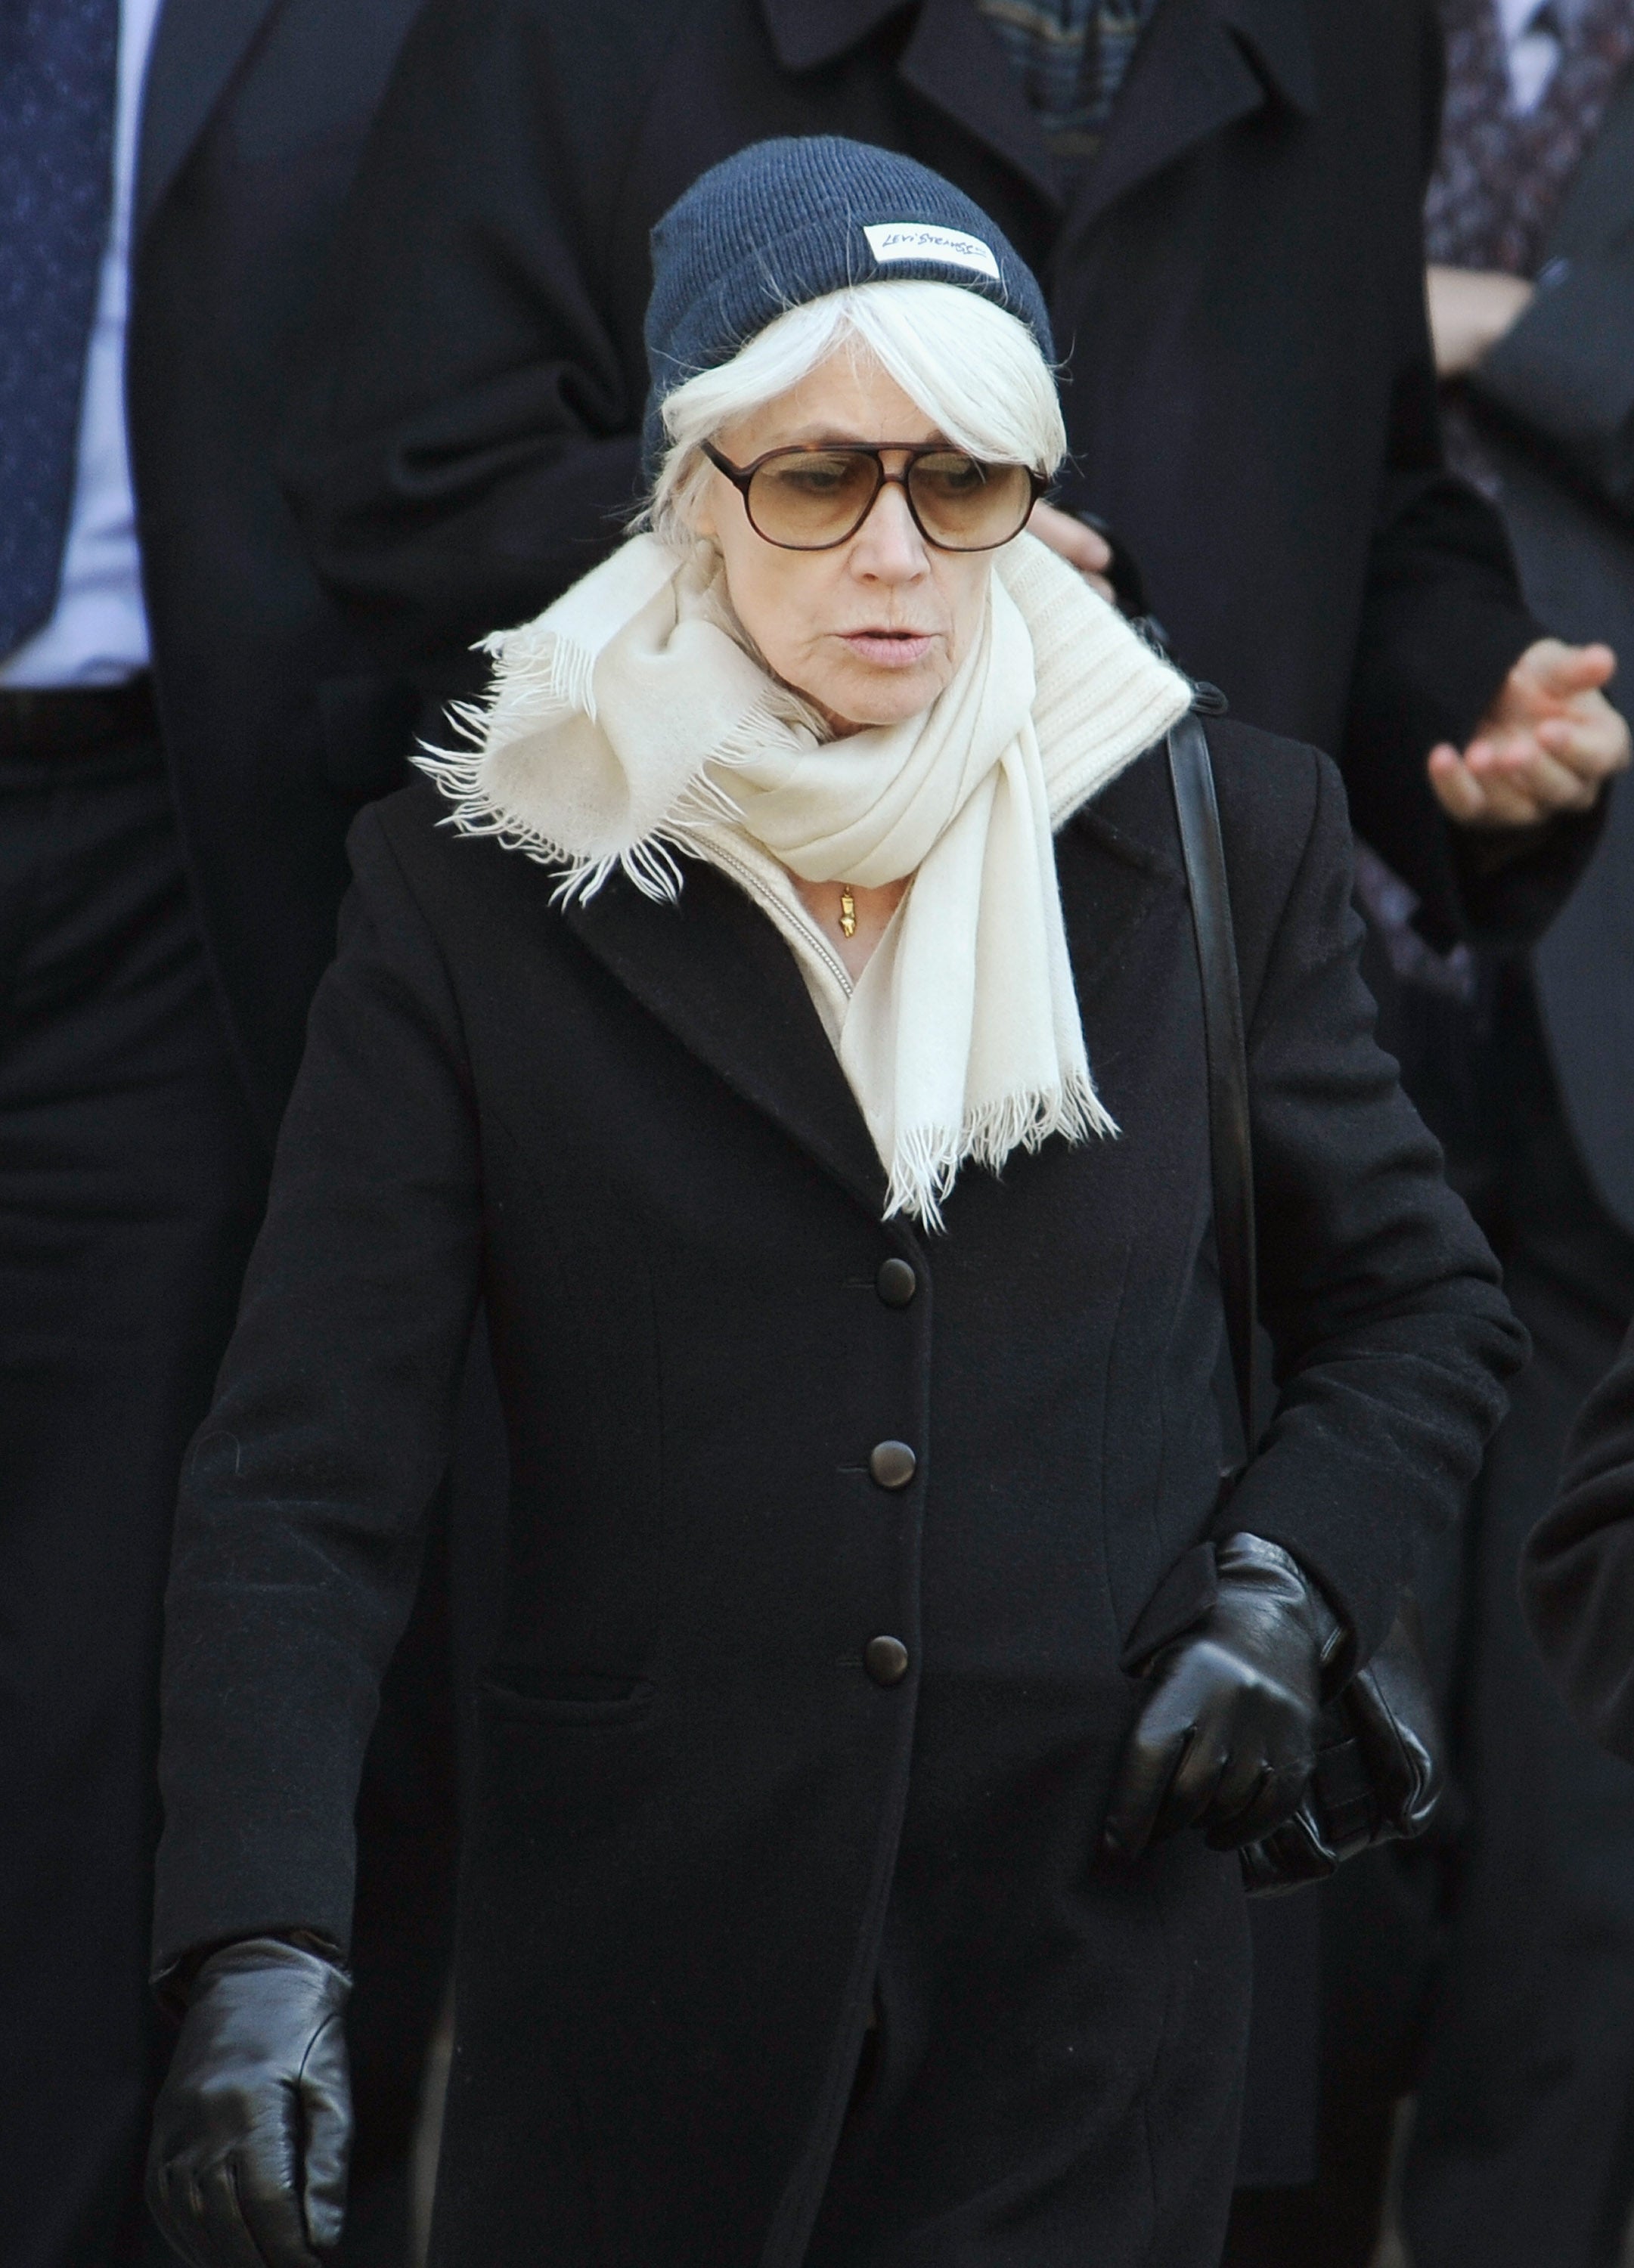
173, 803
1578, 1575
1223, 199
1498, 1975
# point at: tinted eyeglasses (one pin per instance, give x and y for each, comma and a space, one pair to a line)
815, 496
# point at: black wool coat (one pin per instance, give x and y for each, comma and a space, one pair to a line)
1236, 287
620, 1123
276, 722
1555, 401
1577, 1573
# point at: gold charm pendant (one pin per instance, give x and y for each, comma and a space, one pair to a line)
847, 911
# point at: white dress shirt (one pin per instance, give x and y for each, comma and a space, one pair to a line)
98, 632
1532, 49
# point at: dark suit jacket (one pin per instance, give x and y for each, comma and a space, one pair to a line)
622, 1124
1559, 390
253, 117
1236, 284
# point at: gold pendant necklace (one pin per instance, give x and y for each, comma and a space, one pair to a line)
847, 911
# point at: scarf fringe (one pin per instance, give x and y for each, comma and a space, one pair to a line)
925, 1160
546, 680
458, 775
554, 675
1099, 697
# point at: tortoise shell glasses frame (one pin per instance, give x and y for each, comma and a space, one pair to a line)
814, 495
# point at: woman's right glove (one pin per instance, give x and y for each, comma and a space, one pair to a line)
253, 2125
1226, 1739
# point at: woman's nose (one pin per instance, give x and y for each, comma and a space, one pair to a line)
888, 547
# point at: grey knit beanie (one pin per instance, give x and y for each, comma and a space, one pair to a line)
786, 222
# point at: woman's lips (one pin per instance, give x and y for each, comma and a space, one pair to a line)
890, 649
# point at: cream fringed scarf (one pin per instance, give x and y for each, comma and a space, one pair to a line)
629, 722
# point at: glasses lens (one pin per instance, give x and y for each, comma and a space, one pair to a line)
966, 505
809, 498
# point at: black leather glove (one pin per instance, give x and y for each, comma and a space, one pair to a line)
253, 2126
1227, 1737
1379, 1776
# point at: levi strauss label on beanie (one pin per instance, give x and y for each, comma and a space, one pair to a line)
917, 239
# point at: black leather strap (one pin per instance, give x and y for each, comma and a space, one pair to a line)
1230, 1143
1378, 1772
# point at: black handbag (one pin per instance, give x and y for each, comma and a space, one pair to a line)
1378, 1772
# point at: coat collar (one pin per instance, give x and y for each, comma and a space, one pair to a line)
1202, 65
954, 60
197, 47
806, 32
714, 971
950, 58
1277, 35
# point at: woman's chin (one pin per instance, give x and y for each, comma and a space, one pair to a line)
863, 696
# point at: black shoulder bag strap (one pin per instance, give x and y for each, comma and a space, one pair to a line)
1379, 1770
1231, 1148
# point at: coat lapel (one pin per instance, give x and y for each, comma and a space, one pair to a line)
805, 33
197, 47
714, 972
1202, 65
1114, 872
951, 59
954, 60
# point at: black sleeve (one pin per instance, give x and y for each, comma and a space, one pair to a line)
1565, 371
1443, 621
1577, 1572
304, 1495
1442, 627
464, 444
1390, 1335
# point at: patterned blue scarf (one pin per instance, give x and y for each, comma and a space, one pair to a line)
1071, 57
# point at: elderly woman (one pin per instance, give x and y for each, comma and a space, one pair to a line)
785, 1016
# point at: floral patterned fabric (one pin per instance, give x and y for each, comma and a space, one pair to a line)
1501, 175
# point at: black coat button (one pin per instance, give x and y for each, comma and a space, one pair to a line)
896, 1281
892, 1464
885, 1661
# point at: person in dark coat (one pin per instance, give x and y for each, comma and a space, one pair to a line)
1236, 229
783, 1009
1577, 1586
1493, 1974
172, 824
1224, 200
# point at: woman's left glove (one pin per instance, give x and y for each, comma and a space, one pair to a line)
253, 2125
1226, 1739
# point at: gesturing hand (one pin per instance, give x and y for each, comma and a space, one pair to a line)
253, 2129
1548, 743
1226, 1740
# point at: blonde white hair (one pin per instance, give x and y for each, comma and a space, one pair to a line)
976, 371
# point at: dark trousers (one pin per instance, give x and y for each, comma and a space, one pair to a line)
1492, 1971
130, 1186
1522, 2150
